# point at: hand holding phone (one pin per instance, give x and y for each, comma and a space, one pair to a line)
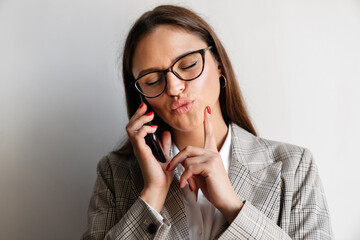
149, 155
152, 142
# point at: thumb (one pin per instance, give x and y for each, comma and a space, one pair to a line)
166, 143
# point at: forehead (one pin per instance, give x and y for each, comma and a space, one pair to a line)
161, 47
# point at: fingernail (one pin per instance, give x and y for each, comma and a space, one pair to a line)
149, 114
208, 109
167, 167
154, 126
141, 105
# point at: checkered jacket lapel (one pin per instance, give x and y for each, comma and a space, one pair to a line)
253, 174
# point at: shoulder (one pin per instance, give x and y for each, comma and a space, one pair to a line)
257, 152
116, 164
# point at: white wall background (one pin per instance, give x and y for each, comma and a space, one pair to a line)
62, 103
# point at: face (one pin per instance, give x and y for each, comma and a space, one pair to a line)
182, 104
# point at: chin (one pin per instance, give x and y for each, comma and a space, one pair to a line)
187, 124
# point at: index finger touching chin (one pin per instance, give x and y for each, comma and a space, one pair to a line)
209, 141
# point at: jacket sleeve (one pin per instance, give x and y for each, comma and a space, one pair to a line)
139, 222
251, 223
308, 217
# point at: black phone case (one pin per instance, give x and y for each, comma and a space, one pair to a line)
151, 141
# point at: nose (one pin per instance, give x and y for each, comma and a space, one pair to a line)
174, 85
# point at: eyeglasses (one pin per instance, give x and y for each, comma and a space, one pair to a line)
186, 68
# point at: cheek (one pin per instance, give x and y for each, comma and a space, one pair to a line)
208, 85
158, 105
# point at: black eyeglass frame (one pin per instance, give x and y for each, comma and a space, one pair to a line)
135, 86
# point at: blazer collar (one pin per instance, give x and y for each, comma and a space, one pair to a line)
253, 173
249, 150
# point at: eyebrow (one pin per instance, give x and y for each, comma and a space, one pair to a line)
149, 70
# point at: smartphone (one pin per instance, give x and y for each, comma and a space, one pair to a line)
152, 141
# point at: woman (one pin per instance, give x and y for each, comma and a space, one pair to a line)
219, 180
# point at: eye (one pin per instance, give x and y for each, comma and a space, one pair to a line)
151, 79
153, 82
189, 66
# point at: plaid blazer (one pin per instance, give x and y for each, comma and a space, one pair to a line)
278, 182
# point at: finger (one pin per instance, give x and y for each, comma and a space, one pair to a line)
189, 172
139, 137
139, 112
210, 142
192, 183
165, 144
136, 124
184, 154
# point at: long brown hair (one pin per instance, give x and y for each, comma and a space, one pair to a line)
231, 101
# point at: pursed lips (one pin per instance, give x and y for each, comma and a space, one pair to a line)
182, 105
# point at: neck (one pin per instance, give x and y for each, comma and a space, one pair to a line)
195, 137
